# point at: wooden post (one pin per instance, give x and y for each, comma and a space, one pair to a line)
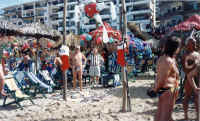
124, 78
64, 42
78, 24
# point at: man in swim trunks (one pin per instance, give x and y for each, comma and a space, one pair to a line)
190, 59
77, 66
167, 80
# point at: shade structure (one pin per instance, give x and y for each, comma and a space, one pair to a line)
190, 23
36, 30
72, 39
111, 32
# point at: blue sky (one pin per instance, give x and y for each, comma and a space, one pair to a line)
5, 3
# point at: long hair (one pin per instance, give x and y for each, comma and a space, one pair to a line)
172, 44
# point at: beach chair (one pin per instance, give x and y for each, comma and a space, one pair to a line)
14, 91
42, 87
23, 84
44, 74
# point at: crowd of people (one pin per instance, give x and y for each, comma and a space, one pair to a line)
96, 59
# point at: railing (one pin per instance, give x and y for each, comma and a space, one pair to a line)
139, 12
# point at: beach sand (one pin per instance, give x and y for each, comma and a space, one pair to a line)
100, 104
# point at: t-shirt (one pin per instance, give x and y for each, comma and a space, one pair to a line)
95, 60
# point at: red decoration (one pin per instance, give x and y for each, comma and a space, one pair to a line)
99, 40
121, 50
91, 10
83, 37
65, 61
49, 45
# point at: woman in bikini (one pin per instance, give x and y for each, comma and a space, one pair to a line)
167, 80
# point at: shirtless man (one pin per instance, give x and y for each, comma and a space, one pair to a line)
77, 66
167, 80
190, 59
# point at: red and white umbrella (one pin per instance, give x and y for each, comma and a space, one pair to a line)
190, 23
111, 32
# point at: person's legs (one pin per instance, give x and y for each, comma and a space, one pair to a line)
97, 74
91, 72
188, 92
1, 87
165, 107
74, 78
196, 101
80, 78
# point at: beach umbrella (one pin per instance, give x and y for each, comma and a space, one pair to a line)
111, 32
190, 23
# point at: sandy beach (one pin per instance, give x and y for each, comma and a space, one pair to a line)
100, 104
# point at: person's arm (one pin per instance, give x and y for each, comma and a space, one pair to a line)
190, 78
85, 59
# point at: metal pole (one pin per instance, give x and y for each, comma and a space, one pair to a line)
124, 76
64, 42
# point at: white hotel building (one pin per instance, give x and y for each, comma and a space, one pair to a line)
50, 12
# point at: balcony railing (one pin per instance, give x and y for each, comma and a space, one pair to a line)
147, 21
139, 12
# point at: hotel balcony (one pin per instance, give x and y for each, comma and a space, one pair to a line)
135, 12
90, 26
147, 21
137, 2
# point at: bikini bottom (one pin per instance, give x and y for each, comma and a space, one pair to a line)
163, 90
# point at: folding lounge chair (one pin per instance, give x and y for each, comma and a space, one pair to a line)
24, 86
45, 75
42, 86
15, 92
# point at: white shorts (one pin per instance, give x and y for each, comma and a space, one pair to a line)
94, 71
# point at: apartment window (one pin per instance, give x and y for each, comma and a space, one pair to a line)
28, 7
128, 0
174, 9
179, 8
40, 4
72, 0
61, 1
140, 7
105, 11
92, 30
71, 7
61, 9
92, 21
70, 15
107, 20
55, 2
